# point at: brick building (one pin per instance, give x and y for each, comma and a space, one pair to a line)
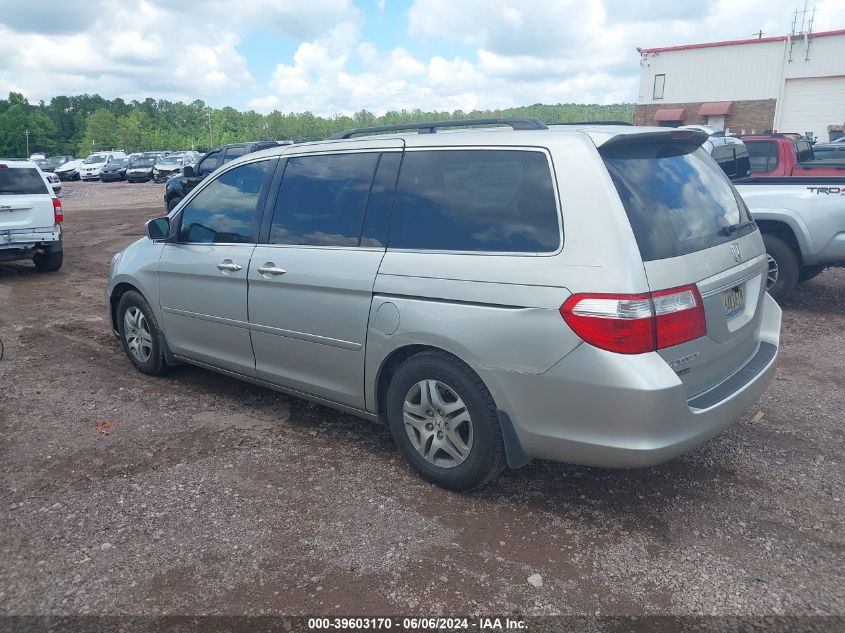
785, 83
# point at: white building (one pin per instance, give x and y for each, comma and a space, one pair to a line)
785, 83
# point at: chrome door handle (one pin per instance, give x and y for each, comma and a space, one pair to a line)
228, 264
271, 269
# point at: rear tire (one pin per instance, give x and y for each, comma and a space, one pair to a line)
783, 267
140, 334
476, 455
810, 272
171, 204
49, 262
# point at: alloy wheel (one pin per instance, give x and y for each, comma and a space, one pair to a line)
773, 272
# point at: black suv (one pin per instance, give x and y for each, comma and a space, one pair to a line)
180, 186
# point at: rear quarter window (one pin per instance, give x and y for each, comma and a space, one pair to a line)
763, 156
24, 181
676, 197
475, 200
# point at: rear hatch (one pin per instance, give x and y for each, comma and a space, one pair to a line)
25, 200
692, 228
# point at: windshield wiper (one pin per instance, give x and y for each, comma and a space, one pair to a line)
733, 228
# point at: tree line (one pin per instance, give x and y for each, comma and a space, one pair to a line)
82, 124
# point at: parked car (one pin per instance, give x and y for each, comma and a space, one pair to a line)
179, 186
802, 221
37, 156
30, 216
470, 327
91, 166
803, 225
70, 170
781, 155
53, 181
171, 165
728, 151
115, 170
54, 162
141, 169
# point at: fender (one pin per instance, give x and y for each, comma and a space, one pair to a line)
795, 223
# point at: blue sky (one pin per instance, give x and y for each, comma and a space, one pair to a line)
332, 56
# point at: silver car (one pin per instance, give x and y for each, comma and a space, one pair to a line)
588, 294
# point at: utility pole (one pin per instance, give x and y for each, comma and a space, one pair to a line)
27, 143
210, 138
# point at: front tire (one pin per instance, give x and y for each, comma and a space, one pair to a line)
810, 272
140, 334
443, 420
49, 262
783, 267
171, 204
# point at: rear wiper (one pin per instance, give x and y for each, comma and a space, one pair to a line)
733, 228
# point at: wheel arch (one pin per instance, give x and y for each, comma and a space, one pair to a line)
789, 230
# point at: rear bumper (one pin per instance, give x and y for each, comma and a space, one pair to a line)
610, 410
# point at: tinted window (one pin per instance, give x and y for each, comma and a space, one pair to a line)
208, 164
377, 217
677, 199
322, 198
733, 159
21, 181
234, 152
225, 210
475, 200
804, 151
763, 156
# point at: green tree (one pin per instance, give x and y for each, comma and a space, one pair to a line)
101, 132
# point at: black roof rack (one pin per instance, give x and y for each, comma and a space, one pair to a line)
517, 123
592, 123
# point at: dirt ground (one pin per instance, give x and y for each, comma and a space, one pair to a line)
211, 496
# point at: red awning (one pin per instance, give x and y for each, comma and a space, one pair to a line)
670, 114
716, 108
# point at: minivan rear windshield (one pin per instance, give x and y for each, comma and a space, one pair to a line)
677, 199
24, 181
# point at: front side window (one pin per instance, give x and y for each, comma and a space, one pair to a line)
225, 211
475, 200
659, 85
763, 156
208, 164
322, 199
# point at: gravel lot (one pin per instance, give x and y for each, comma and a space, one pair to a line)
210, 496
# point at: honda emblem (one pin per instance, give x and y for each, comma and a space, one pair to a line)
736, 252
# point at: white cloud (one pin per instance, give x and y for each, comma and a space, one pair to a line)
496, 54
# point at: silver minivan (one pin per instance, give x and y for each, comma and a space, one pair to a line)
591, 294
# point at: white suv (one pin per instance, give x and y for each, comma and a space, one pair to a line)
93, 165
30, 216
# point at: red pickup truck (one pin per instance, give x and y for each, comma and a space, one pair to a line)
782, 155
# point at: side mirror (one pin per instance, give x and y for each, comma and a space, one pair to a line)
188, 171
158, 228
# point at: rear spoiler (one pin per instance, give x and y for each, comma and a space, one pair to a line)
638, 135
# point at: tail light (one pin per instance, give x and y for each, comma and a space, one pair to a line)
58, 214
634, 324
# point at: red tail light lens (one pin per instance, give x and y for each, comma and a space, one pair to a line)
634, 324
58, 214
679, 315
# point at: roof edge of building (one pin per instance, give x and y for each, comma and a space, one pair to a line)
755, 40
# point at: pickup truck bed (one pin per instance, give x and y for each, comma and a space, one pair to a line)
803, 224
